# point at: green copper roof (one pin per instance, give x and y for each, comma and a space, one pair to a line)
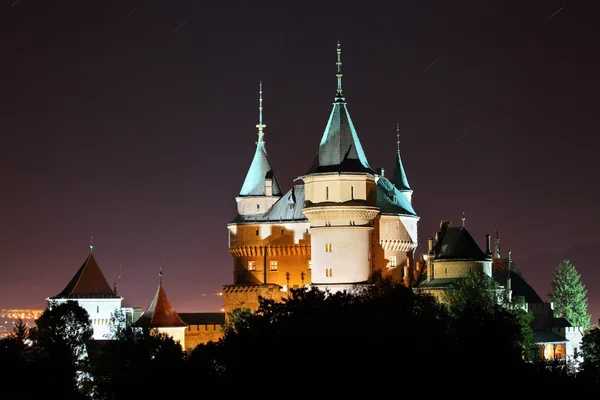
287, 209
399, 176
390, 199
340, 149
260, 169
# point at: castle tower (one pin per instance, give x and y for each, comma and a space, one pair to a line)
396, 236
399, 178
340, 202
161, 316
261, 187
90, 289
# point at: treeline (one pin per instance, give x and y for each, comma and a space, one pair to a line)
381, 340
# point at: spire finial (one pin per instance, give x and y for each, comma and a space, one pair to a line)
463, 219
260, 124
160, 274
497, 253
91, 244
397, 137
339, 95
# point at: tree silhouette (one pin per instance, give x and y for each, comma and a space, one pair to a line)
569, 295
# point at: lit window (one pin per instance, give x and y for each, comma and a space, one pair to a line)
328, 247
273, 265
393, 261
251, 265
330, 272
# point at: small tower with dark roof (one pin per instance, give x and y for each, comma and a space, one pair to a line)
160, 315
396, 236
260, 189
399, 178
340, 202
90, 289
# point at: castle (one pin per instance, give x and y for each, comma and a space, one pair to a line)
340, 223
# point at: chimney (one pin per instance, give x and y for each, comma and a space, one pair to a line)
381, 172
430, 245
268, 187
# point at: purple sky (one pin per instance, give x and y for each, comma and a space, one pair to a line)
134, 122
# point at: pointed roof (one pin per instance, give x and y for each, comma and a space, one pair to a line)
340, 149
260, 168
457, 244
88, 282
160, 313
399, 176
390, 199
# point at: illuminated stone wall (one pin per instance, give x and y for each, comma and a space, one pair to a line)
395, 236
202, 334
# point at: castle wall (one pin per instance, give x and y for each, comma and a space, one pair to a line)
202, 334
457, 269
177, 333
341, 254
100, 311
394, 237
271, 253
246, 296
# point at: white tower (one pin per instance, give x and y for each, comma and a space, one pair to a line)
341, 202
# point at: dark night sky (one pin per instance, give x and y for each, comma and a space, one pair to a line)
134, 122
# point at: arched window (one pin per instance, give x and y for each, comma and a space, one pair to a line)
559, 352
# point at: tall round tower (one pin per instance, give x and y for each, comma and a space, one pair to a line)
340, 202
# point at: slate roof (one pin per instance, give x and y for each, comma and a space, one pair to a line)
519, 285
390, 199
543, 336
260, 169
456, 243
88, 282
340, 149
215, 318
399, 178
288, 208
160, 313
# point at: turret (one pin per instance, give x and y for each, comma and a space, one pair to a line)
261, 187
340, 201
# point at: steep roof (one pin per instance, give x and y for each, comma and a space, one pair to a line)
88, 282
260, 170
456, 243
286, 209
340, 149
390, 199
160, 313
519, 285
399, 178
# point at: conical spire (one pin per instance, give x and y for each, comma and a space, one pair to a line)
260, 168
340, 149
88, 282
399, 176
160, 313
